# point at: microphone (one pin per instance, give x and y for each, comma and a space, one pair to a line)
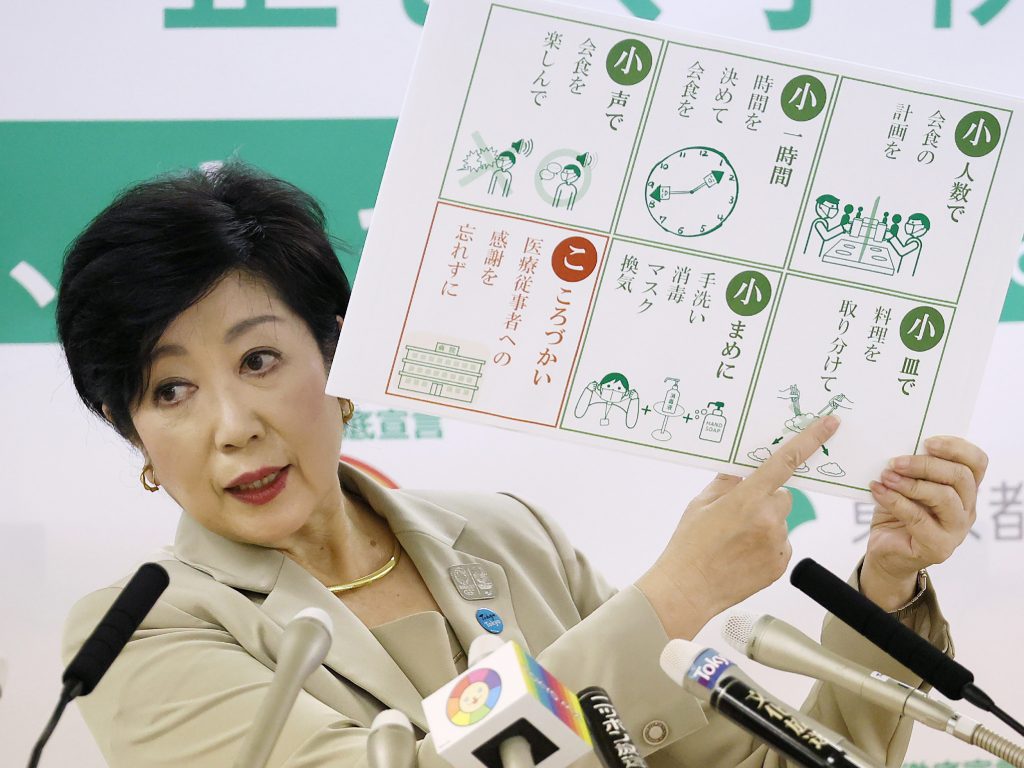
904, 645
391, 743
482, 645
516, 752
506, 710
306, 640
779, 645
115, 628
712, 678
612, 742
105, 643
910, 649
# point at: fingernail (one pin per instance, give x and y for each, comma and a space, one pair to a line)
877, 488
933, 443
891, 478
900, 462
831, 422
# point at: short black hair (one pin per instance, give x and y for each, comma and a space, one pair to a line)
161, 246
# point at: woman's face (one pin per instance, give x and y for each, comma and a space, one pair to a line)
612, 392
234, 417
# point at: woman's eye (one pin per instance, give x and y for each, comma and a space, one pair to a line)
170, 394
259, 362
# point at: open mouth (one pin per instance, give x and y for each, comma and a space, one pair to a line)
261, 489
259, 483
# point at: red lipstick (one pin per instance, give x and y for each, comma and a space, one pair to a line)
265, 491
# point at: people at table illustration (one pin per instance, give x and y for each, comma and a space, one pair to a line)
846, 222
886, 230
826, 207
915, 228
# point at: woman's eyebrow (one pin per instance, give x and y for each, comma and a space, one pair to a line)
244, 325
166, 350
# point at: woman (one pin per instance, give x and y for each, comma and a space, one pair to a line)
199, 314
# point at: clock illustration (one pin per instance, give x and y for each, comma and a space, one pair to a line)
692, 191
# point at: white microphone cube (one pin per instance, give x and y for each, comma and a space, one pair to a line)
506, 694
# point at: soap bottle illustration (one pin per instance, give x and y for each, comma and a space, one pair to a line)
713, 426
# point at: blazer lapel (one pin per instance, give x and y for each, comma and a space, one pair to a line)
355, 655
429, 534
434, 560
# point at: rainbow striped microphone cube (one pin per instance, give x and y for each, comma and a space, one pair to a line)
506, 694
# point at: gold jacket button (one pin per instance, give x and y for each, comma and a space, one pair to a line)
655, 732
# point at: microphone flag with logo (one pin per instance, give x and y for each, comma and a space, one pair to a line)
508, 693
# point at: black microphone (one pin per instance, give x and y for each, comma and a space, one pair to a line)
106, 641
908, 648
715, 680
612, 742
904, 645
118, 624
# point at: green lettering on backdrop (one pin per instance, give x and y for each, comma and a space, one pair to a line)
58, 175
794, 17
416, 10
1013, 307
798, 15
254, 13
983, 13
802, 510
642, 9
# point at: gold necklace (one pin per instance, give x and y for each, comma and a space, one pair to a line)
380, 573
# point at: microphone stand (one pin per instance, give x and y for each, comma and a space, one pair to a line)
68, 694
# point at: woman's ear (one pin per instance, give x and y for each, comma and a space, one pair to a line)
341, 321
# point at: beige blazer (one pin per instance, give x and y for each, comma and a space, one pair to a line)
187, 685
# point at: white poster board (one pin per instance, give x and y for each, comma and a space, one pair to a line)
618, 232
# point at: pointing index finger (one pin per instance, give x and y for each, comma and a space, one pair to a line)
792, 454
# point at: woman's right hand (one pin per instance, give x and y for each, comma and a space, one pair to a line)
732, 540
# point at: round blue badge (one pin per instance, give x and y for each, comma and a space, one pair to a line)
490, 621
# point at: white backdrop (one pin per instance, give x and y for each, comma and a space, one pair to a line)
74, 517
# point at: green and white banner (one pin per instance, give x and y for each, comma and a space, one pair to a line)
98, 95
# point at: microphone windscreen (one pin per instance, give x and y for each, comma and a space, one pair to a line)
118, 624
612, 742
910, 649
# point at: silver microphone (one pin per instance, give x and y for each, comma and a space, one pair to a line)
391, 743
482, 645
304, 646
779, 645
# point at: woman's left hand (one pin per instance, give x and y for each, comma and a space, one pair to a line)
925, 506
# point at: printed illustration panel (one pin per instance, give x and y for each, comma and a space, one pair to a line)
671, 351
495, 319
869, 358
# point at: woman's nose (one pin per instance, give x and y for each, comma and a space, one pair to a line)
236, 421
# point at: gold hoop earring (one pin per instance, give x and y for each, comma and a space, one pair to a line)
348, 409
153, 486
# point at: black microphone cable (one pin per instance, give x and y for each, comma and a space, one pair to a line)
910, 649
104, 644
